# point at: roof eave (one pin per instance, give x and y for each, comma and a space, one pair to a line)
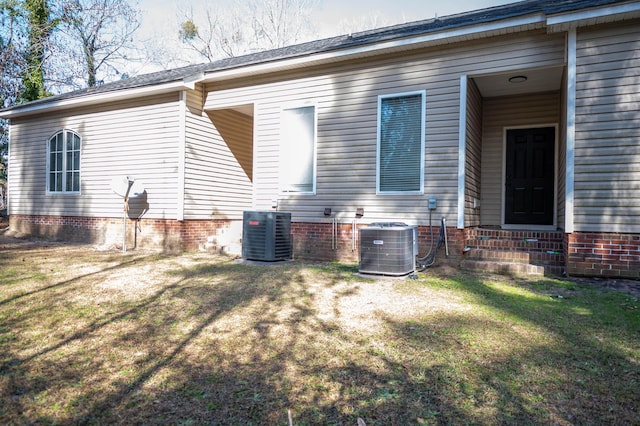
562, 22
553, 22
466, 33
97, 98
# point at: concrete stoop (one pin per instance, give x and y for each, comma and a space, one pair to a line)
508, 268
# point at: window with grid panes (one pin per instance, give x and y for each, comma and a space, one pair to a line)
63, 162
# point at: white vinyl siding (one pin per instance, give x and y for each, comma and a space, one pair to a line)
346, 99
499, 113
473, 155
607, 142
135, 138
218, 161
63, 163
400, 152
298, 150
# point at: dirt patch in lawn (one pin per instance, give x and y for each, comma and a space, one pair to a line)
101, 336
91, 336
617, 284
357, 302
9, 238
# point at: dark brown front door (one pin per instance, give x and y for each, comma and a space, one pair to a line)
530, 176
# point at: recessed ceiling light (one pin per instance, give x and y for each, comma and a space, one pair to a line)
518, 79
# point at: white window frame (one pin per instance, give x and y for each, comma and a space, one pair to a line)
423, 115
282, 185
65, 169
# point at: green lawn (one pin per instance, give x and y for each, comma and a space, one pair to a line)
101, 337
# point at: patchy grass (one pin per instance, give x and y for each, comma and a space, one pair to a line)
105, 338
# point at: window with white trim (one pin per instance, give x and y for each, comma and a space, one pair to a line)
400, 155
298, 150
63, 162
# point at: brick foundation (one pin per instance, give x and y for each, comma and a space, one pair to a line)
586, 253
603, 254
162, 234
313, 241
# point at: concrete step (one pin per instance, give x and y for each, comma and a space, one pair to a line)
514, 252
550, 257
527, 241
507, 268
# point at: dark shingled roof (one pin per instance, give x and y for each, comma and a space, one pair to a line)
363, 38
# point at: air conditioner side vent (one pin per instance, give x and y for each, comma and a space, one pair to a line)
388, 249
266, 236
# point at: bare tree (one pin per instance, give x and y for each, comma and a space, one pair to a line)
12, 65
363, 23
202, 40
12, 51
94, 40
278, 23
247, 26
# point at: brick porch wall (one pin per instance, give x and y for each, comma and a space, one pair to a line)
603, 254
162, 234
515, 251
313, 241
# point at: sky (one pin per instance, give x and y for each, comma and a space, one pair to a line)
160, 18
158, 14
397, 11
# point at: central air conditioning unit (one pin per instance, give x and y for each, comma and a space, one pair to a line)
388, 248
266, 236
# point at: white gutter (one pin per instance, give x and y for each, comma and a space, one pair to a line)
533, 20
563, 21
466, 33
97, 98
505, 26
188, 83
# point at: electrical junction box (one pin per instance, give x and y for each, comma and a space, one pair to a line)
432, 203
388, 248
266, 236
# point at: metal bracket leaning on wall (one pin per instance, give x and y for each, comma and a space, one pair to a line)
334, 228
353, 234
354, 228
446, 242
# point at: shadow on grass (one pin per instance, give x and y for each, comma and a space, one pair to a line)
152, 330
70, 282
540, 352
224, 343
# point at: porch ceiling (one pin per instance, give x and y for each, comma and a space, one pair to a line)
537, 81
244, 109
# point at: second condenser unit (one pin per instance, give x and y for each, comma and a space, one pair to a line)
266, 235
388, 248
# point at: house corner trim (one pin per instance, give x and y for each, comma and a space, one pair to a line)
462, 150
182, 144
571, 131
